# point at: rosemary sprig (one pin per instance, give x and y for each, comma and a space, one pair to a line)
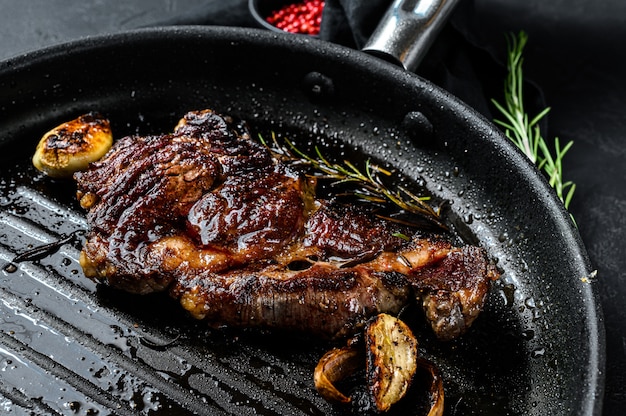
368, 184
523, 130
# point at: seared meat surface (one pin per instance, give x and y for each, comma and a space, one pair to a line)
240, 239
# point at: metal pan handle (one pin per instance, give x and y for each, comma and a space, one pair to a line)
407, 30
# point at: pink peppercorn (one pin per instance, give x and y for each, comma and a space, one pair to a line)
304, 17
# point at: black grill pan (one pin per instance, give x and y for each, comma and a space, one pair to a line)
70, 347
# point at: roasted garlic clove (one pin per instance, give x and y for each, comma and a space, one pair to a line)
391, 360
436, 387
71, 146
334, 366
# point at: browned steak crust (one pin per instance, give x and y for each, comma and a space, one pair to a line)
240, 238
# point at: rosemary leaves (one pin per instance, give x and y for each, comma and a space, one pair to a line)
523, 130
367, 182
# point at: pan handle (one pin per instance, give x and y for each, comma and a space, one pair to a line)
407, 30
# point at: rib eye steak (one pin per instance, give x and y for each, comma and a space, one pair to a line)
241, 239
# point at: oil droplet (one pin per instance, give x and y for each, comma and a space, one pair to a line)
509, 294
10, 268
530, 302
538, 352
528, 334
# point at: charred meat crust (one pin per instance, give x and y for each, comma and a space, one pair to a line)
322, 300
240, 238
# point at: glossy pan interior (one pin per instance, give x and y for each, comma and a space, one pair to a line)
538, 348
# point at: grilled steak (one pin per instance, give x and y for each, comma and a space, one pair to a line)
240, 238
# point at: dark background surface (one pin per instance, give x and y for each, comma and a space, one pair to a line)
576, 56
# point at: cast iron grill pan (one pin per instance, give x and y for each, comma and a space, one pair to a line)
71, 347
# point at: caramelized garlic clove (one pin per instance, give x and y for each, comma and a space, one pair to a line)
436, 387
71, 146
336, 365
391, 360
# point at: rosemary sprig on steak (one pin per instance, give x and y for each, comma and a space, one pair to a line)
368, 185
